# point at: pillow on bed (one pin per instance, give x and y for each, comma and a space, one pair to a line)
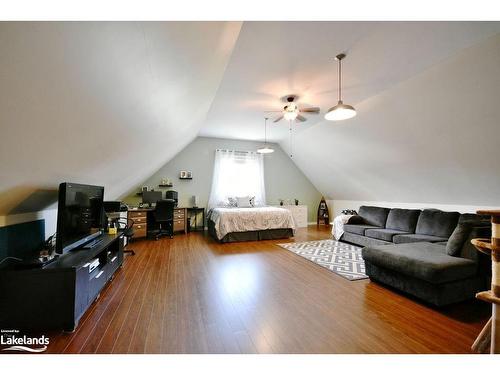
244, 202
232, 202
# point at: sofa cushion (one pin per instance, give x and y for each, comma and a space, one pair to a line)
383, 234
362, 241
376, 216
403, 220
437, 223
358, 228
425, 261
410, 238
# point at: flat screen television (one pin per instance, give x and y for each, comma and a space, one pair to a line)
80, 215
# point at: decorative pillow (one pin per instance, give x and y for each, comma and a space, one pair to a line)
252, 201
232, 202
457, 239
349, 212
460, 236
243, 202
356, 219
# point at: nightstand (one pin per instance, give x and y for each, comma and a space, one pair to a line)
299, 214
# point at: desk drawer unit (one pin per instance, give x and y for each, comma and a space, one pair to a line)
180, 220
140, 223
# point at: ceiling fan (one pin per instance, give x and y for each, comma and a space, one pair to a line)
291, 111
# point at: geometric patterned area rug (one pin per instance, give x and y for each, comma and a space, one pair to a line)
338, 257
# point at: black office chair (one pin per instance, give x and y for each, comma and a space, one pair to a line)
164, 216
128, 232
111, 209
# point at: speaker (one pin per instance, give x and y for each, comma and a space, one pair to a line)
171, 194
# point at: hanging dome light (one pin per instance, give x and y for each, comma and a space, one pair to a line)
266, 149
341, 111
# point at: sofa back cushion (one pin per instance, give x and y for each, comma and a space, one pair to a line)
400, 219
437, 223
374, 215
475, 219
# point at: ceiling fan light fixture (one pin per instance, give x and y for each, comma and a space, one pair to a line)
340, 112
290, 115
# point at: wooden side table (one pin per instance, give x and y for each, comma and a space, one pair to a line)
490, 335
193, 217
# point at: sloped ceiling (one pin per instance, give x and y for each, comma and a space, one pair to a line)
430, 139
427, 100
274, 59
109, 103
101, 103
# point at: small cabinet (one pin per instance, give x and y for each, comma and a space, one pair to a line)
299, 214
180, 220
140, 218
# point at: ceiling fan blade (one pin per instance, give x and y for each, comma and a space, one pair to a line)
278, 119
310, 110
300, 118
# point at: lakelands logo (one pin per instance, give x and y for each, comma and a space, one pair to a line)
23, 343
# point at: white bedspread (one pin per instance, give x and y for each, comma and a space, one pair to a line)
229, 220
338, 225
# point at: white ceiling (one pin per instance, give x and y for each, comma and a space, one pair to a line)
109, 103
430, 139
273, 59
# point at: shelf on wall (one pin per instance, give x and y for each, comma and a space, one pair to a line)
185, 178
166, 185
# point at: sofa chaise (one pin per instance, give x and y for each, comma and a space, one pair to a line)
426, 253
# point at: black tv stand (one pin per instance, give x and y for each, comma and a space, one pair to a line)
92, 244
56, 295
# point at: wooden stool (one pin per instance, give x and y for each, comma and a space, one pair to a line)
490, 335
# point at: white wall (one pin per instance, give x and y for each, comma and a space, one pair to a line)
283, 179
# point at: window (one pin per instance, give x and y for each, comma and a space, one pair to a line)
237, 174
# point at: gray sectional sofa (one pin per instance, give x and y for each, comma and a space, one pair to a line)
426, 253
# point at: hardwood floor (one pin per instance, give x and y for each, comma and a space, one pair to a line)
192, 295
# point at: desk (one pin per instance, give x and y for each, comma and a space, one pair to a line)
144, 220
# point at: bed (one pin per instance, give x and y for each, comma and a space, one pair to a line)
232, 224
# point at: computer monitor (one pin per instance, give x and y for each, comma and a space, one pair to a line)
151, 197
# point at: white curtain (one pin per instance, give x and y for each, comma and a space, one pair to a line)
237, 174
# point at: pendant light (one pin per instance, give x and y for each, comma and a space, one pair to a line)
266, 149
341, 111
